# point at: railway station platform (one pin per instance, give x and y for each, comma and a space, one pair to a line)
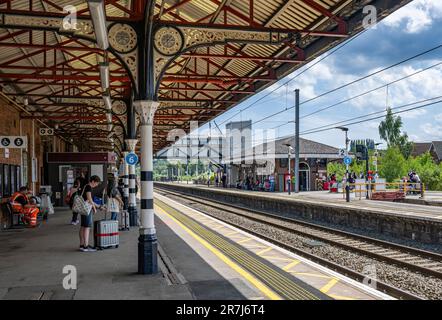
200, 259
406, 221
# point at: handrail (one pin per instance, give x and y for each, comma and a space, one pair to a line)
376, 187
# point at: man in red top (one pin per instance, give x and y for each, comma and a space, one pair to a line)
20, 204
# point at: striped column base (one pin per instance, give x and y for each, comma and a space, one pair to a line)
147, 254
133, 216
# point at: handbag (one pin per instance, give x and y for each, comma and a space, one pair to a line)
81, 206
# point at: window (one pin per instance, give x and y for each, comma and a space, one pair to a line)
12, 173
18, 178
1, 180
25, 169
6, 181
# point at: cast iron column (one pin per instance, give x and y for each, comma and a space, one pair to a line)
147, 242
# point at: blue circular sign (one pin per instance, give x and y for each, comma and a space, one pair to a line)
131, 159
348, 160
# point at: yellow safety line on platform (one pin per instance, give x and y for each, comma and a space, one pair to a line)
316, 275
273, 278
334, 296
252, 246
245, 240
264, 251
329, 285
277, 258
291, 265
258, 284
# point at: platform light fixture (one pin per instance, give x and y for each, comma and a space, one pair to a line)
109, 117
98, 14
104, 75
107, 100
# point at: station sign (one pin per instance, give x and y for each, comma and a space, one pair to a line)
342, 153
131, 159
348, 160
14, 142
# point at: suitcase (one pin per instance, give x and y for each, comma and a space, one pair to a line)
106, 234
125, 220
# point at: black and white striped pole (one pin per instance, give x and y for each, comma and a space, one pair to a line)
125, 181
147, 241
132, 206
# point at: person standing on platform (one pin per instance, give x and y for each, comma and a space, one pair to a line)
76, 189
87, 220
114, 203
224, 180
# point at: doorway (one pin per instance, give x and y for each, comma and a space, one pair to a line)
304, 177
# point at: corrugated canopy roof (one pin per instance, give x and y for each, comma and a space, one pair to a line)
59, 74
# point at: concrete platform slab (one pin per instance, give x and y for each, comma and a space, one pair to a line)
32, 261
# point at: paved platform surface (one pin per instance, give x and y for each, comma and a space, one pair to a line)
417, 211
32, 260
263, 270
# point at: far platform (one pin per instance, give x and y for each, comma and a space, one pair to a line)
410, 221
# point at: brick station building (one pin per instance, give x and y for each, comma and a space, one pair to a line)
16, 165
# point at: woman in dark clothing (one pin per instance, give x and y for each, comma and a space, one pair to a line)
87, 220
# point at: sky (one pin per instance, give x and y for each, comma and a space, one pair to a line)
413, 29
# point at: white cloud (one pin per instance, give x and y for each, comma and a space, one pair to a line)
417, 16
432, 131
438, 117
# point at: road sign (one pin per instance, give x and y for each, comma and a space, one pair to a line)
131, 159
348, 160
13, 142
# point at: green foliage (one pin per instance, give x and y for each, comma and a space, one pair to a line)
390, 131
392, 165
429, 172
339, 168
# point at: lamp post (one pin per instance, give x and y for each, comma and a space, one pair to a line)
290, 169
347, 185
376, 155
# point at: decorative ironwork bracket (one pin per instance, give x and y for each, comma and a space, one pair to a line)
170, 42
122, 36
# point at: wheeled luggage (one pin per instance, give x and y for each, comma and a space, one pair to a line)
125, 220
106, 234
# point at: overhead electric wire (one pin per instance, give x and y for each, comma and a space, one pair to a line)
346, 85
374, 113
297, 75
342, 122
370, 119
370, 91
373, 74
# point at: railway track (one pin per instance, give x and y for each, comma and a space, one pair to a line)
412, 259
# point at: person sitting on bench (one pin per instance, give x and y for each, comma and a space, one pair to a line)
21, 204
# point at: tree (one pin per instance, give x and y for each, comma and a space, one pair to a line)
392, 166
390, 131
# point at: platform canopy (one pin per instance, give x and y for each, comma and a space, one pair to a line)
208, 56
